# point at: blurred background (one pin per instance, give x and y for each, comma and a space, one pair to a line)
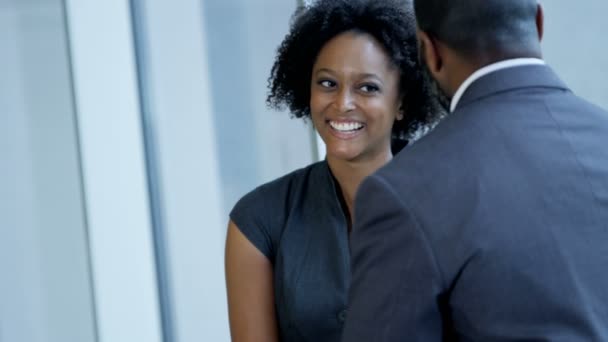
128, 130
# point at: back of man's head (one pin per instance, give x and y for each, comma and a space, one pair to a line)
482, 29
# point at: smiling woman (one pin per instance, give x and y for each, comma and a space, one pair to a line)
86, 148
355, 98
351, 66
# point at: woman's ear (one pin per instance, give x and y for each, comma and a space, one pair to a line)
401, 110
400, 114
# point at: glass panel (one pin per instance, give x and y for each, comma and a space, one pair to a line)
574, 50
203, 68
45, 292
255, 144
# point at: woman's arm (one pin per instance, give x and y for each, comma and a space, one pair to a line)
249, 281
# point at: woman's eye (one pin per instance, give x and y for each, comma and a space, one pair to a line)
327, 83
369, 88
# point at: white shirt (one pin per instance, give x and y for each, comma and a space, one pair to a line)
509, 63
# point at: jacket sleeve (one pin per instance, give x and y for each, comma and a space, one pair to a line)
396, 286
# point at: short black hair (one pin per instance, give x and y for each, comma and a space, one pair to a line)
391, 22
473, 27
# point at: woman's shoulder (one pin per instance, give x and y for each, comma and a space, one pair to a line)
261, 214
298, 178
283, 188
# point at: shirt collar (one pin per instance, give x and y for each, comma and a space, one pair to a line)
509, 63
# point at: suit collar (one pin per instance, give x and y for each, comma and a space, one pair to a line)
508, 63
505, 79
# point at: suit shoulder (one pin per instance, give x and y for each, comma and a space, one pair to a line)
439, 150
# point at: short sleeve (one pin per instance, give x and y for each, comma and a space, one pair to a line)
250, 214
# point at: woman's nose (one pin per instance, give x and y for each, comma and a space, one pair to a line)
345, 101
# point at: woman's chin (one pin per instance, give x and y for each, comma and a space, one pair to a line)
346, 154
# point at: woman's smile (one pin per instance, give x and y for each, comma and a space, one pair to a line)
345, 129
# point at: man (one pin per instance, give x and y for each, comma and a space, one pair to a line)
494, 227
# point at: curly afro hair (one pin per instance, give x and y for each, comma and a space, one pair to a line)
390, 22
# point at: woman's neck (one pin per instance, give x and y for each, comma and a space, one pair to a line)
350, 174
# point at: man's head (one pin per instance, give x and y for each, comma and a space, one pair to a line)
460, 36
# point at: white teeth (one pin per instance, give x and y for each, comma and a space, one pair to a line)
345, 126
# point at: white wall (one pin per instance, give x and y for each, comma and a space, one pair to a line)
205, 66
114, 171
175, 72
575, 46
255, 144
45, 292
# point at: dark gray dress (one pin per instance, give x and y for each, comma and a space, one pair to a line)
297, 221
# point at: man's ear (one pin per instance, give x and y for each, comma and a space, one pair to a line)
430, 53
540, 21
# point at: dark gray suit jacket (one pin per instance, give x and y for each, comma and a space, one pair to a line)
492, 228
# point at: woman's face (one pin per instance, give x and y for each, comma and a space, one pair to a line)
354, 97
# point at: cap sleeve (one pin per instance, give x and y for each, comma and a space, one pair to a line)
250, 214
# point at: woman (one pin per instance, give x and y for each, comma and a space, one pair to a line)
352, 67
